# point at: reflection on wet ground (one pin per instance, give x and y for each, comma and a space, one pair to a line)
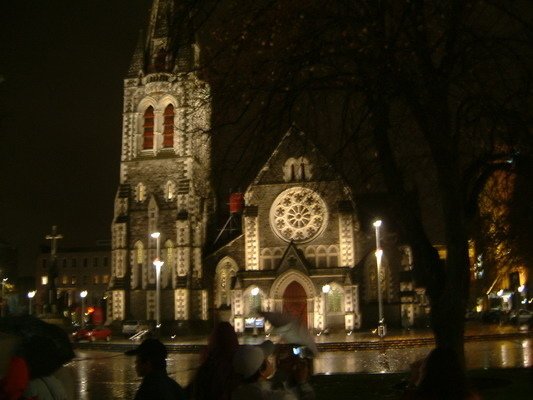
109, 375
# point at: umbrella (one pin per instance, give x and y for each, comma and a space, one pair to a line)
45, 347
290, 329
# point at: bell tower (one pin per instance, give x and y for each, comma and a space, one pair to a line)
165, 181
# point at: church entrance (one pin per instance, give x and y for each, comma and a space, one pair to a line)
295, 302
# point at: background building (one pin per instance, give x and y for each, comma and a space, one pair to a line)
78, 269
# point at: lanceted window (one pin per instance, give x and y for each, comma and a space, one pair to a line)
333, 256
170, 191
267, 259
297, 169
225, 271
321, 257
335, 299
168, 126
140, 193
148, 134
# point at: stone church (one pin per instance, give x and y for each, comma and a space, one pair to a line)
304, 248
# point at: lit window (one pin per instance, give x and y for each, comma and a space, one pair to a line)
64, 279
148, 134
73, 280
96, 279
168, 126
170, 190
105, 278
44, 280
140, 192
297, 169
334, 300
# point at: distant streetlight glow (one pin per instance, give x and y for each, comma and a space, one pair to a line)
31, 295
255, 291
83, 295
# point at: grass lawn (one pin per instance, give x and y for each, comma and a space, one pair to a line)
492, 384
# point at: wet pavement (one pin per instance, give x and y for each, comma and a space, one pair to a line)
105, 374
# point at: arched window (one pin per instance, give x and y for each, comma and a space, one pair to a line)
168, 126
310, 255
371, 283
148, 134
170, 191
335, 299
140, 193
253, 302
297, 169
225, 271
266, 257
276, 258
333, 256
321, 257
168, 258
138, 261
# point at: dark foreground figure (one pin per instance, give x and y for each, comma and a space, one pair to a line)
151, 365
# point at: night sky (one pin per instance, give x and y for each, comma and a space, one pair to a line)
62, 66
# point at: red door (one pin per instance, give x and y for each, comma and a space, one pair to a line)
295, 302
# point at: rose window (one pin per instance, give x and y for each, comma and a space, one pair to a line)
298, 214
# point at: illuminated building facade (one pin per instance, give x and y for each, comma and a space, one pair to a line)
302, 250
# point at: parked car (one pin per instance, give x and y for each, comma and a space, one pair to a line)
521, 317
131, 327
93, 334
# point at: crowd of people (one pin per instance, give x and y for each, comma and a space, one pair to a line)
227, 371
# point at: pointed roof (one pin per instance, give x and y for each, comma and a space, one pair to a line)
167, 36
293, 259
295, 143
137, 60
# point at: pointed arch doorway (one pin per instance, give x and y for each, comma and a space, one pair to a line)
295, 302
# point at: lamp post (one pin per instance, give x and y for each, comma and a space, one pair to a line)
83, 295
2, 304
255, 292
325, 291
157, 264
382, 328
31, 295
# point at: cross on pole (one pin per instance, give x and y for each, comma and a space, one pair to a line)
52, 271
53, 237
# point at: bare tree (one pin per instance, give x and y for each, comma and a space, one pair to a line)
406, 96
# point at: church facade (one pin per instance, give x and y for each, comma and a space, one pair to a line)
303, 249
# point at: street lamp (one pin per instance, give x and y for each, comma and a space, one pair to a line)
2, 304
31, 295
382, 328
157, 264
83, 295
325, 291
